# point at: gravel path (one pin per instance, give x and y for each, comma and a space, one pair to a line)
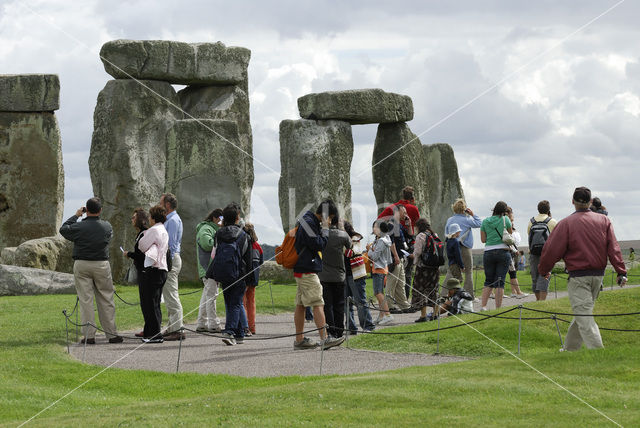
259, 357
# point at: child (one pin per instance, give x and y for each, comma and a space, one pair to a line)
379, 253
457, 301
249, 299
454, 255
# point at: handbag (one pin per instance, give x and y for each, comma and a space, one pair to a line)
131, 277
507, 239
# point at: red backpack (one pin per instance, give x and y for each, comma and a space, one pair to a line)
286, 254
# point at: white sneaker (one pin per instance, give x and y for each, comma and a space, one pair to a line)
514, 296
522, 296
476, 300
386, 319
484, 309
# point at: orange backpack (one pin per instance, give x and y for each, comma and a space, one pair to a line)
286, 254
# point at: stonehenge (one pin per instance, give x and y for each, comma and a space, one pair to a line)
316, 163
314, 155
149, 140
197, 143
31, 173
23, 281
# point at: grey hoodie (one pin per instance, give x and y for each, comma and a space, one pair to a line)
333, 256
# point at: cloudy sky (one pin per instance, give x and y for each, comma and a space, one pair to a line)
535, 98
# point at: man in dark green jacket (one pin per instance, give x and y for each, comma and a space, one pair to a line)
205, 237
91, 269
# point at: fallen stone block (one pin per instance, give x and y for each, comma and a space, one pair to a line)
49, 253
22, 281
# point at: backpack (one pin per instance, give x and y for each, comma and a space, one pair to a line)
538, 235
433, 254
286, 254
226, 267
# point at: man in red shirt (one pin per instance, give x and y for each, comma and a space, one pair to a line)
409, 203
412, 217
584, 240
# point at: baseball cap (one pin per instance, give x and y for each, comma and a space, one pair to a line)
582, 195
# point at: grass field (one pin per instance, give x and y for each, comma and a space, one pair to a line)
491, 389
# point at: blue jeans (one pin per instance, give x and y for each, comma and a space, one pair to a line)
496, 264
236, 317
357, 290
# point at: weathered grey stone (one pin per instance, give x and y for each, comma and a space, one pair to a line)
31, 177
272, 271
8, 256
398, 161
315, 160
176, 62
357, 106
225, 103
128, 154
29, 92
21, 281
443, 183
205, 171
50, 253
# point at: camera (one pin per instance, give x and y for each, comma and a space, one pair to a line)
84, 209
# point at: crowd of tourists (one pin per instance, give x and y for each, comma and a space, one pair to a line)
331, 261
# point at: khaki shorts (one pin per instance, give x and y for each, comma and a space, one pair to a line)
309, 291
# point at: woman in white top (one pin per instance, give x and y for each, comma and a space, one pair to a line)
154, 244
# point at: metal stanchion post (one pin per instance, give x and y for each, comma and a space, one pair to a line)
612, 279
321, 358
179, 349
273, 306
84, 349
77, 309
438, 337
346, 332
558, 328
519, 327
555, 287
66, 327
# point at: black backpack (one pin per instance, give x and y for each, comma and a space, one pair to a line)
227, 265
433, 253
538, 235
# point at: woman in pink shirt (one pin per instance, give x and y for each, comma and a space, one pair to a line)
154, 244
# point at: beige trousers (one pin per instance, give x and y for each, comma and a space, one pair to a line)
583, 292
171, 296
93, 279
395, 296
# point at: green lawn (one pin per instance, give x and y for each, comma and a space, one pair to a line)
492, 389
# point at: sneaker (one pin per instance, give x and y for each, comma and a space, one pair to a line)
247, 332
409, 310
377, 321
330, 342
239, 340
386, 319
305, 343
153, 340
214, 330
476, 300
395, 311
367, 330
561, 350
421, 319
228, 339
522, 296
484, 309
492, 296
513, 295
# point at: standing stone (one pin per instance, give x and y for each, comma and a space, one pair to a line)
176, 62
128, 154
204, 172
29, 92
315, 159
398, 161
31, 177
443, 183
225, 103
357, 106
